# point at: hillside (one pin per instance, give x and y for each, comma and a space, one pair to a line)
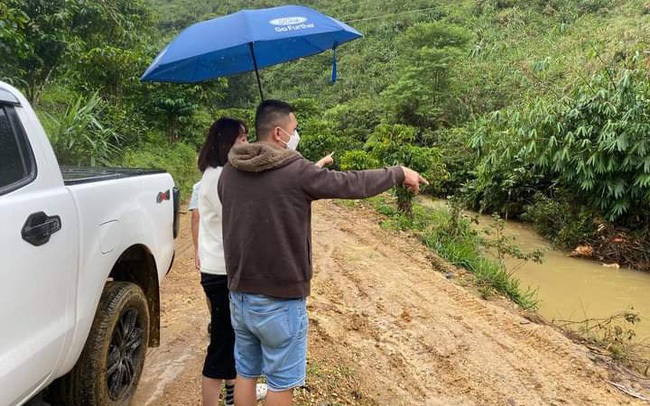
536, 110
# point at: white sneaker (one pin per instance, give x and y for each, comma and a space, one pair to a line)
260, 391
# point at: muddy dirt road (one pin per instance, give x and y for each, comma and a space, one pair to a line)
388, 329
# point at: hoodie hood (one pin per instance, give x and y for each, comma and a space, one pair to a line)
260, 156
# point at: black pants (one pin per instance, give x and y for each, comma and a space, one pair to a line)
220, 358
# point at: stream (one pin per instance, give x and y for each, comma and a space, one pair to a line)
575, 289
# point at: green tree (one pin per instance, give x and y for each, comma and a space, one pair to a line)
173, 112
356, 119
110, 69
506, 178
41, 41
423, 94
181, 111
121, 23
13, 42
45, 35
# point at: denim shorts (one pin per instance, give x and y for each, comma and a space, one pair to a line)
270, 339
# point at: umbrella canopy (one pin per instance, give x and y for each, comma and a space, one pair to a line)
245, 41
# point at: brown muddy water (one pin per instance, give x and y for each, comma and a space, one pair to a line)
575, 289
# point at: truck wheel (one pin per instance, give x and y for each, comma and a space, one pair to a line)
110, 365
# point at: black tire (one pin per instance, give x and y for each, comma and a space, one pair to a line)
109, 368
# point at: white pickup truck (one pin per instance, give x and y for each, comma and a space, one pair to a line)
82, 253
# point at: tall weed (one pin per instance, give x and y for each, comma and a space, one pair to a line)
78, 137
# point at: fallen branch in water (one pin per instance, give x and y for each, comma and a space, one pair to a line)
613, 336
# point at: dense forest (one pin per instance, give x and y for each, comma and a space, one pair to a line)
535, 110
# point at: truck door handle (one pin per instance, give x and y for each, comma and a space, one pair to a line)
39, 227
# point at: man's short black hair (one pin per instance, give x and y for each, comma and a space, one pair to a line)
270, 114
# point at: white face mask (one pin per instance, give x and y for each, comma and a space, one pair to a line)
293, 139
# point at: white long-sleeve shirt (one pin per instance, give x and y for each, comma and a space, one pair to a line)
210, 224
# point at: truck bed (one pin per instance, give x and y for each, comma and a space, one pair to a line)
74, 175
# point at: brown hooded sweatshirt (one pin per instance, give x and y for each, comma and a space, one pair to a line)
266, 192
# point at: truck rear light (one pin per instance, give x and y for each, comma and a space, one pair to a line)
177, 207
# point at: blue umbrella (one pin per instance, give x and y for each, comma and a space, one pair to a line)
245, 41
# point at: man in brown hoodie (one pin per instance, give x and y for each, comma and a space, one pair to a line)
266, 191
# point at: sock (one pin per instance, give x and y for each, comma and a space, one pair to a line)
230, 395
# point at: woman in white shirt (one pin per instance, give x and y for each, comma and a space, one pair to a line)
219, 361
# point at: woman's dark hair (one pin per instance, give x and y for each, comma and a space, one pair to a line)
221, 137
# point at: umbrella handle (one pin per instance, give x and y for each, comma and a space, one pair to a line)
257, 73
334, 62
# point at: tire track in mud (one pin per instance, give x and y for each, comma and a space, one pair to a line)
171, 375
387, 326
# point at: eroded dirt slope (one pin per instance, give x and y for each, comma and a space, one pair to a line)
387, 329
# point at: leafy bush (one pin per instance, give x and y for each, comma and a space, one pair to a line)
247, 115
182, 112
355, 120
598, 141
503, 184
110, 69
548, 216
395, 145
358, 160
559, 221
306, 109
131, 126
457, 157
318, 138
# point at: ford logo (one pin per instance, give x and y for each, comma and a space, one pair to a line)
288, 21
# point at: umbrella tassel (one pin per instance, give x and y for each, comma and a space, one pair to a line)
334, 63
